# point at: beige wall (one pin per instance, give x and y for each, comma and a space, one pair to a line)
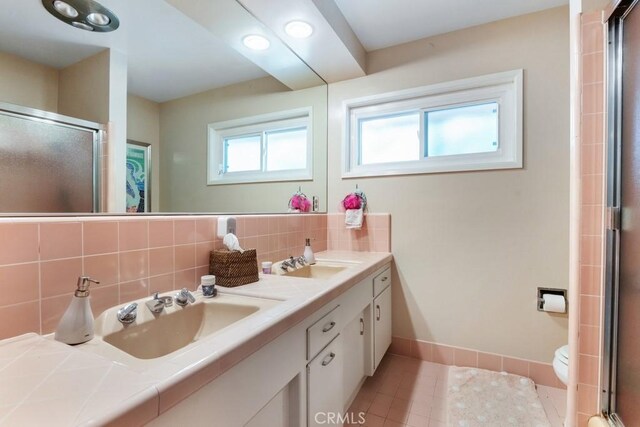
27, 83
470, 248
183, 136
143, 125
84, 89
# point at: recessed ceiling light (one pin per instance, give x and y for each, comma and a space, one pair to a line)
84, 14
82, 26
256, 42
299, 29
65, 9
99, 19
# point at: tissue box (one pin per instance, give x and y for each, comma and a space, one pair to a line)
233, 268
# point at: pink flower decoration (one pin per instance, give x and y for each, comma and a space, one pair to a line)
300, 203
352, 201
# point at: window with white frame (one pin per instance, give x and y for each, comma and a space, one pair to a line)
270, 147
471, 124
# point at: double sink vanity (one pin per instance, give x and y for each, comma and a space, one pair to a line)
288, 350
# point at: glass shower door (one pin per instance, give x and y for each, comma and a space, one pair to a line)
621, 373
47, 166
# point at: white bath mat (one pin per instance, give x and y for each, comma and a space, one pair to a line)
477, 397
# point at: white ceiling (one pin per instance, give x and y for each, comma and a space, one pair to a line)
384, 23
169, 54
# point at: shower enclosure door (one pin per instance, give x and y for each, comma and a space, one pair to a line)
621, 380
48, 163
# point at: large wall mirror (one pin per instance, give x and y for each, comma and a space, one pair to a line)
192, 119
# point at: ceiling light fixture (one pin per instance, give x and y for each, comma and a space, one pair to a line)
82, 26
99, 19
299, 29
65, 9
87, 15
256, 42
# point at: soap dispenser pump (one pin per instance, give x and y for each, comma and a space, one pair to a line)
76, 325
308, 252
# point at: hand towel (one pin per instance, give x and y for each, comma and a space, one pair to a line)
354, 218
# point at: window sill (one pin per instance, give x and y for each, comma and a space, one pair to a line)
421, 169
254, 180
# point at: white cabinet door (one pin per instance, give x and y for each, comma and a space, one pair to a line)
324, 379
382, 325
355, 354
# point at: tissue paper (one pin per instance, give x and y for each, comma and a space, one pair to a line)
232, 243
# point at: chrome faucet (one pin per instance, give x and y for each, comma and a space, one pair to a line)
288, 263
301, 261
157, 304
128, 313
184, 297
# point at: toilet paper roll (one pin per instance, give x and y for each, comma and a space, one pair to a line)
554, 303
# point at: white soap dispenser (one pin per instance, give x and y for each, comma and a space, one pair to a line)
76, 325
308, 252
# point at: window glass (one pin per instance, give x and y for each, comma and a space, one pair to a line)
286, 149
462, 130
462, 125
242, 153
390, 138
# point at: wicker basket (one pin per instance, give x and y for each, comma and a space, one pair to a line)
233, 268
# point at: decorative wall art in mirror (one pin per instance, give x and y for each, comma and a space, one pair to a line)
138, 173
228, 128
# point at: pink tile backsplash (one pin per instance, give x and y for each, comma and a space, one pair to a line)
133, 234
19, 283
60, 240
185, 231
160, 233
592, 171
100, 237
161, 261
540, 373
20, 243
60, 276
374, 236
185, 256
106, 267
132, 257
133, 265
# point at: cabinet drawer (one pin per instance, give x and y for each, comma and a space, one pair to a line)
322, 332
381, 281
324, 379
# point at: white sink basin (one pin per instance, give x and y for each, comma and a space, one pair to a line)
316, 271
322, 269
152, 336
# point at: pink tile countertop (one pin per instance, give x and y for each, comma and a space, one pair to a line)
46, 382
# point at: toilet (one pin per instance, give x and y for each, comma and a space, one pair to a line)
561, 363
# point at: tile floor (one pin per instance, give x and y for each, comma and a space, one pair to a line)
411, 392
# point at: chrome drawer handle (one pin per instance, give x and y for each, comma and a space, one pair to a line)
384, 279
328, 327
361, 326
378, 310
328, 359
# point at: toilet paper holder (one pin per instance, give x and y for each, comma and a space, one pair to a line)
551, 291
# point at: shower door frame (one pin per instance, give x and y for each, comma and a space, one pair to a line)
615, 34
98, 130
